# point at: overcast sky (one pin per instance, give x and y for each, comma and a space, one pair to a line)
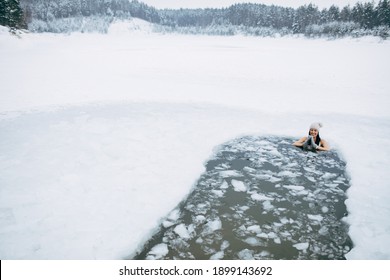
226, 3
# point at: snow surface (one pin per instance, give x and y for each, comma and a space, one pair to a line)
103, 135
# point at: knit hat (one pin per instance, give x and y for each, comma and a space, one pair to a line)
316, 125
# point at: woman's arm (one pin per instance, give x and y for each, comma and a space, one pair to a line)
324, 146
300, 142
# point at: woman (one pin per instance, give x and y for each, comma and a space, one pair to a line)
313, 141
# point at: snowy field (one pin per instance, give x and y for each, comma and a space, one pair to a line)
103, 135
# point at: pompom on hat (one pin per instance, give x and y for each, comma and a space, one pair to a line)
316, 125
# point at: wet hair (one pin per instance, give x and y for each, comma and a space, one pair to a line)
318, 140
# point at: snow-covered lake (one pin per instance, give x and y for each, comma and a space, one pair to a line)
103, 135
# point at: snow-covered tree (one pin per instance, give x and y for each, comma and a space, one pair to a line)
11, 14
383, 13
346, 14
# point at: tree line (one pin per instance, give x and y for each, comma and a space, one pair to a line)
307, 19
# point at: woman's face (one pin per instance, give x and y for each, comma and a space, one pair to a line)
313, 132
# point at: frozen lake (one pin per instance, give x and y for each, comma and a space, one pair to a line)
92, 125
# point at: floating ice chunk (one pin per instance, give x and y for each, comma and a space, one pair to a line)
275, 152
272, 235
285, 234
292, 164
295, 188
222, 166
202, 208
274, 179
199, 240
244, 208
262, 176
239, 186
225, 244
249, 169
200, 218
260, 197
328, 175
317, 218
267, 205
324, 209
277, 225
224, 185
311, 179
304, 192
253, 241
323, 230
174, 215
254, 228
167, 223
157, 252
277, 240
301, 246
262, 235
264, 254
245, 254
218, 193
251, 149
330, 185
214, 225
217, 256
287, 173
230, 173
191, 229
284, 220
309, 169
182, 231
340, 180
172, 218
264, 143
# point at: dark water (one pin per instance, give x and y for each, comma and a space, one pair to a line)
260, 198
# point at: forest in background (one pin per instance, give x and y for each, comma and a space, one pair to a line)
65, 16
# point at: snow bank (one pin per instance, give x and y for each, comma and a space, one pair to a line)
131, 26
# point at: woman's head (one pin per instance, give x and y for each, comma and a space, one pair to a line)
314, 131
